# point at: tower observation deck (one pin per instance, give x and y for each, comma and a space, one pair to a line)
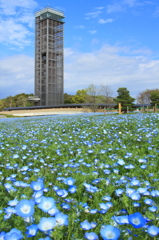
49, 56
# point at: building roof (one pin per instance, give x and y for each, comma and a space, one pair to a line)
55, 12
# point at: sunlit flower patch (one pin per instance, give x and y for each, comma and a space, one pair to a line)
80, 177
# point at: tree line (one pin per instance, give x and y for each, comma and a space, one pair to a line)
104, 94
92, 94
19, 100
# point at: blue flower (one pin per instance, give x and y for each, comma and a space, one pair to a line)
53, 211
93, 224
62, 193
55, 188
130, 166
103, 206
65, 206
148, 201
90, 188
14, 234
13, 202
119, 191
153, 231
46, 224
121, 219
37, 186
135, 182
32, 230
91, 236
15, 156
136, 204
2, 234
25, 208
137, 220
106, 171
110, 233
153, 208
8, 186
46, 203
135, 196
120, 162
129, 191
106, 198
85, 225
69, 181
93, 211
109, 204
10, 210
7, 216
61, 219
37, 194
141, 190
72, 189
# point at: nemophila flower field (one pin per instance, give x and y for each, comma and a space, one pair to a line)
80, 177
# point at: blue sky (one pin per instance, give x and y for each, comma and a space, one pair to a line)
106, 42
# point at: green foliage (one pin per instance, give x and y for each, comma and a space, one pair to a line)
154, 96
1, 104
144, 96
124, 98
106, 94
80, 96
67, 98
19, 100
92, 93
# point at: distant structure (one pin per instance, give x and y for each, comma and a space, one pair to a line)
49, 56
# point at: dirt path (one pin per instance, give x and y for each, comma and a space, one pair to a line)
43, 112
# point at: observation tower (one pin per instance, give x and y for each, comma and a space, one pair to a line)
49, 56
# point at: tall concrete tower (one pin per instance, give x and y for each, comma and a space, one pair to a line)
49, 56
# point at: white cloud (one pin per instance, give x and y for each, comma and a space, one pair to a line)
27, 18
92, 31
68, 52
102, 21
95, 41
118, 7
17, 75
94, 14
100, 8
13, 33
10, 7
114, 8
131, 3
80, 27
156, 14
116, 66
16, 18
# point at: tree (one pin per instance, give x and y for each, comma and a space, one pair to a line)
144, 97
106, 92
9, 101
154, 96
1, 104
19, 100
91, 97
124, 98
67, 98
80, 96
